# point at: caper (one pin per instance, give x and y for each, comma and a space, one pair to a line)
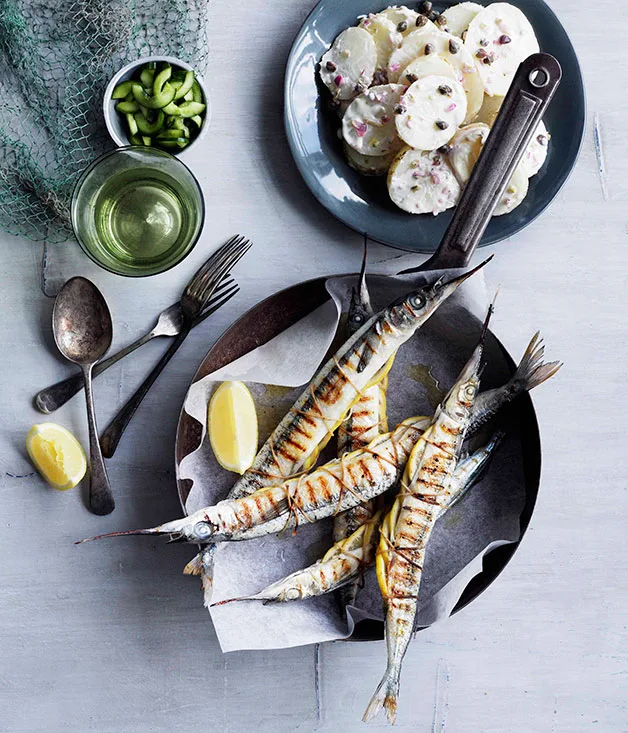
380, 77
441, 124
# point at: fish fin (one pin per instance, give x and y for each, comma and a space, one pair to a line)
385, 696
195, 566
532, 371
208, 555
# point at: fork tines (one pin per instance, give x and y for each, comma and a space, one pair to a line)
209, 276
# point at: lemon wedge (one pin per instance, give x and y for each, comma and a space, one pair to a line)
232, 426
57, 455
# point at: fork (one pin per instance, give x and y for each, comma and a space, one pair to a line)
195, 296
168, 324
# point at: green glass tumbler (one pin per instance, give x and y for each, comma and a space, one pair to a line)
137, 211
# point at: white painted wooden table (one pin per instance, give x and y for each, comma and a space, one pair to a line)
111, 637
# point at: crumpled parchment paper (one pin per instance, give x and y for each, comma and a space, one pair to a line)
425, 367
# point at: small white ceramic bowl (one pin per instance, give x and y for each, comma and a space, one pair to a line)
115, 122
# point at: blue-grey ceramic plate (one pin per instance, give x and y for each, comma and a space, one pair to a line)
362, 202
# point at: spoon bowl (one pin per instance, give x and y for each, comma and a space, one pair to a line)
83, 331
81, 322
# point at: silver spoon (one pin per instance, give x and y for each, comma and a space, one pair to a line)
82, 328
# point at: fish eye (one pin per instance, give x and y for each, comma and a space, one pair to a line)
417, 301
202, 530
293, 594
470, 390
357, 318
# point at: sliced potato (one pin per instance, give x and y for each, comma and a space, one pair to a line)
349, 65
404, 19
368, 165
449, 48
499, 39
515, 192
368, 125
466, 146
489, 109
458, 17
428, 66
421, 182
536, 152
431, 111
385, 35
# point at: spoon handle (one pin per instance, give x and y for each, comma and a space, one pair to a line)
53, 397
111, 437
100, 497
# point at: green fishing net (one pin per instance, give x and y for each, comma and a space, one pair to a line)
56, 59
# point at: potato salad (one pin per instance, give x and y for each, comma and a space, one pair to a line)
418, 92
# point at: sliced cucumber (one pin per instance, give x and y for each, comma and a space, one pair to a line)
130, 119
190, 109
179, 142
197, 92
172, 110
121, 90
180, 125
161, 79
157, 101
162, 106
125, 107
186, 86
147, 78
170, 134
145, 126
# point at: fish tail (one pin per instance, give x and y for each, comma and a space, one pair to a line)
532, 370
385, 696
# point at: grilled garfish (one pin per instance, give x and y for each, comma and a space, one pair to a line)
350, 557
366, 420
330, 488
425, 489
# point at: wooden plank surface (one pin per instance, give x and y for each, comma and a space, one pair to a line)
111, 637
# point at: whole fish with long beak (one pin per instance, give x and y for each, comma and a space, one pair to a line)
530, 373
361, 361
365, 421
425, 490
348, 558
293, 445
333, 487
